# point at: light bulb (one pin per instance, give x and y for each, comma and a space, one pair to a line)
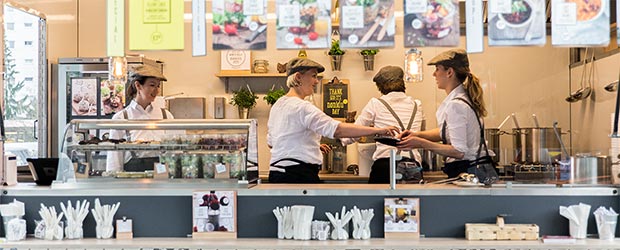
414, 66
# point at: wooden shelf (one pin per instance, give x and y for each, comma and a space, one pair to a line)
248, 75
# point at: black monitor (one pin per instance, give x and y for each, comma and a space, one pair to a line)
43, 170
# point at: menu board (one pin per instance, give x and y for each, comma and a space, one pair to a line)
431, 23
303, 24
517, 22
239, 24
580, 22
367, 24
336, 98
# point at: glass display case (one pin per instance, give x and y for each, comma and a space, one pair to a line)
213, 150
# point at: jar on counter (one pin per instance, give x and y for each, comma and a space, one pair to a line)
261, 66
234, 162
174, 164
208, 165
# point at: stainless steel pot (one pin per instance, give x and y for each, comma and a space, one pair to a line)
587, 169
431, 161
492, 137
535, 145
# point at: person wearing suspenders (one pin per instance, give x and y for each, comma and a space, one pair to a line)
295, 127
459, 128
393, 108
142, 87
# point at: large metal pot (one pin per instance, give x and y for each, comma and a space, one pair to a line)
492, 137
588, 169
535, 145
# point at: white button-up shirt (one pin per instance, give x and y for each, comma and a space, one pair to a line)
294, 131
375, 113
462, 128
115, 159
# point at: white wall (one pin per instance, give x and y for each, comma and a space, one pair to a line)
523, 80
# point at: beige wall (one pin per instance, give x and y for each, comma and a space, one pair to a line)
523, 80
591, 118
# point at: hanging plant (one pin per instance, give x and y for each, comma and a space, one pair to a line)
273, 95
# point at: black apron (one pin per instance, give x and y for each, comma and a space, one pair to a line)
300, 173
140, 164
453, 169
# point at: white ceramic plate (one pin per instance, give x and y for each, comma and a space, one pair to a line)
467, 184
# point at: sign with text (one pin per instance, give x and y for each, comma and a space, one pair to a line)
336, 98
156, 25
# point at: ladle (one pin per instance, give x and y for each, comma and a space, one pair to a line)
584, 91
503, 122
612, 86
514, 119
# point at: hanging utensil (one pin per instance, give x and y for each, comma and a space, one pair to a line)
503, 122
577, 95
588, 89
612, 86
514, 119
535, 121
565, 160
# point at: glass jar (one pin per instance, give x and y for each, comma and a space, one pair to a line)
190, 166
208, 165
261, 66
174, 164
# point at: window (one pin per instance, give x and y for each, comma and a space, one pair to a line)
28, 61
10, 26
28, 25
28, 43
28, 79
11, 44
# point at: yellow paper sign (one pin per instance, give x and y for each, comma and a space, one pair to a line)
156, 25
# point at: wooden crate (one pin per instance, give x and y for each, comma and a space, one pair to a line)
501, 231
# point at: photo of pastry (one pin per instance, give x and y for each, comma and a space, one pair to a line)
112, 97
367, 24
523, 23
84, 96
239, 25
580, 22
437, 24
303, 24
401, 215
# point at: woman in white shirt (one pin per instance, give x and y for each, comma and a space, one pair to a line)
143, 86
459, 129
295, 128
389, 81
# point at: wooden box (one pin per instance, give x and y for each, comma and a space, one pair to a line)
501, 231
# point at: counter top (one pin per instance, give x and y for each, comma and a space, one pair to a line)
150, 187
256, 244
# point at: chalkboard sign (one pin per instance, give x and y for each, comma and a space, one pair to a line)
336, 98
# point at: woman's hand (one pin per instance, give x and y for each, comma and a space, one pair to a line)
388, 131
325, 148
409, 141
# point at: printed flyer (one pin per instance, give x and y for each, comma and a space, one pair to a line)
517, 22
580, 23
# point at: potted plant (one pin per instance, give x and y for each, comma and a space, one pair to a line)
273, 95
336, 55
369, 58
245, 100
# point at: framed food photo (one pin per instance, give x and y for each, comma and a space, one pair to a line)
517, 22
367, 24
578, 23
214, 214
83, 98
401, 218
112, 98
239, 24
303, 24
433, 23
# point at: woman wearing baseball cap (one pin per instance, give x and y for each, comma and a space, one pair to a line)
295, 127
142, 87
459, 128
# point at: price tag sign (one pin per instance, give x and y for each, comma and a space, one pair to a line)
253, 7
220, 168
160, 168
564, 13
500, 6
415, 6
289, 16
201, 212
124, 226
352, 17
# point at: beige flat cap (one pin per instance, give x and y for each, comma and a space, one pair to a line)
389, 74
453, 58
148, 71
300, 64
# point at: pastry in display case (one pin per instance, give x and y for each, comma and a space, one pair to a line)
208, 149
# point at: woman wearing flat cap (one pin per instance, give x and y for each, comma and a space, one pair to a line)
383, 112
142, 87
295, 127
459, 128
